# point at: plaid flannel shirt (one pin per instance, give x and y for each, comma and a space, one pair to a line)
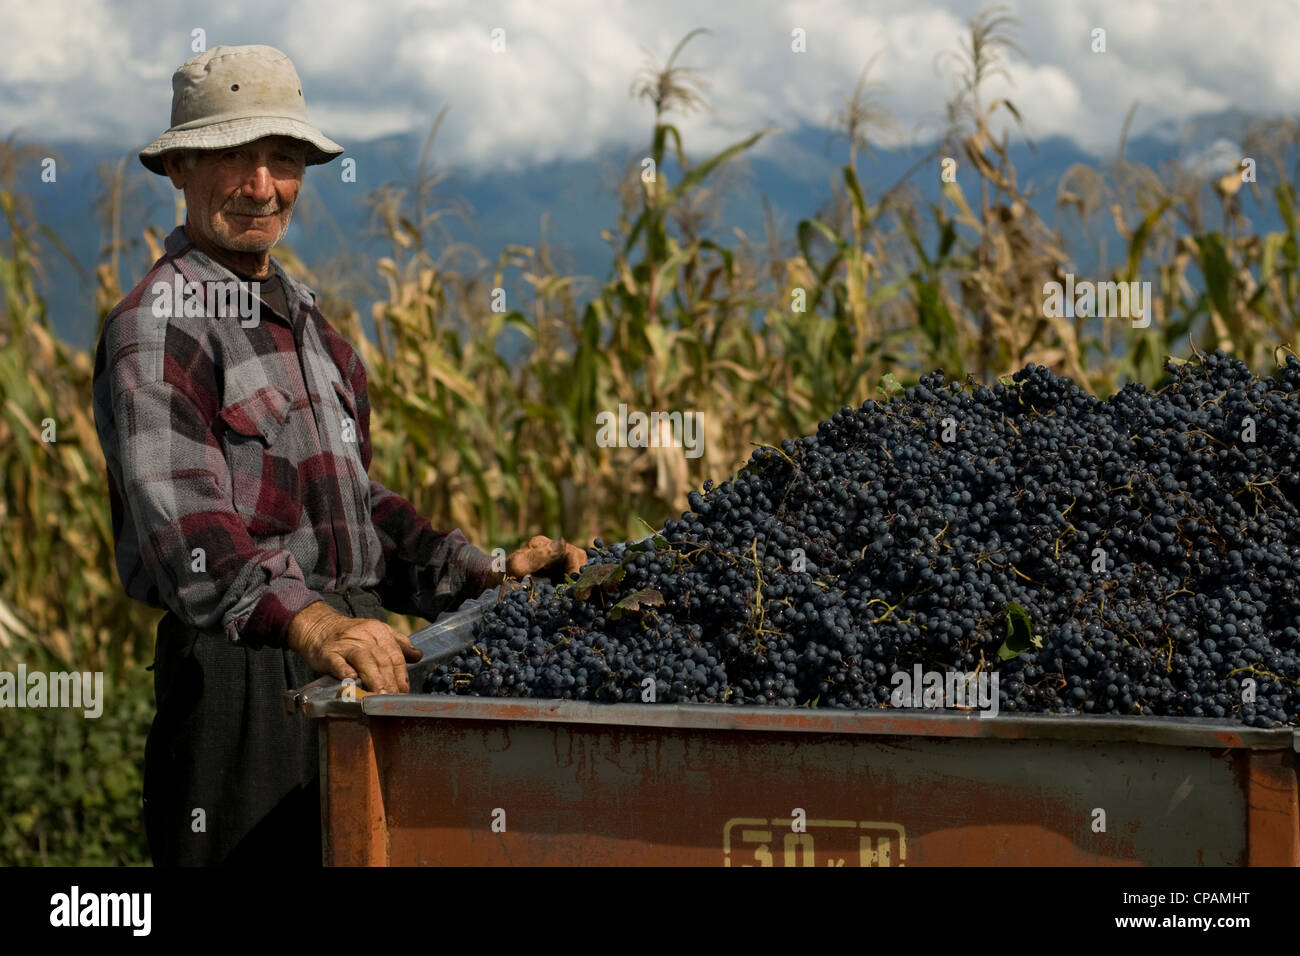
237, 462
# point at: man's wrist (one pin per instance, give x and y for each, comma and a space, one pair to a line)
480, 570
305, 624
268, 625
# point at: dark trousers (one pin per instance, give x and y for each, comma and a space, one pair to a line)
229, 777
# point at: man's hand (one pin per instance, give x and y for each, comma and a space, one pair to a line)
547, 557
342, 646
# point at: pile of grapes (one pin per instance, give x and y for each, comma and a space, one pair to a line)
1138, 555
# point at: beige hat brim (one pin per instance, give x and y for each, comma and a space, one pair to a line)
237, 132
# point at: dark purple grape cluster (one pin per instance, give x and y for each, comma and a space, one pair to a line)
1138, 555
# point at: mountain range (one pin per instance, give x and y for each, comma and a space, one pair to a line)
573, 200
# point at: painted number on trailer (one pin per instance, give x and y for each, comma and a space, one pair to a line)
763, 842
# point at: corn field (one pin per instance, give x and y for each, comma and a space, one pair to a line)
764, 336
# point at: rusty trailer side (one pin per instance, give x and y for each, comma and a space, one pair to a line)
430, 780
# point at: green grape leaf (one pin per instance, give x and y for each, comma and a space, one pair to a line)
1020, 633
646, 597
890, 384
604, 577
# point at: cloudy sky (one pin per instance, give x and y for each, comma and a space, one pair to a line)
99, 69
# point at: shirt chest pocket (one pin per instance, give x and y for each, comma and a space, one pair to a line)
263, 468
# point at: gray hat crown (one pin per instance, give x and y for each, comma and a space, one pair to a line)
231, 95
227, 80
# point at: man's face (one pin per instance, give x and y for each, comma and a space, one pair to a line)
241, 198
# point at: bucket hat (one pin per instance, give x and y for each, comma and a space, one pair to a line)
231, 95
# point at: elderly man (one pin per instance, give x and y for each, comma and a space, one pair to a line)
237, 451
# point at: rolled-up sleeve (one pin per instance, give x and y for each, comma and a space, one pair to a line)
426, 571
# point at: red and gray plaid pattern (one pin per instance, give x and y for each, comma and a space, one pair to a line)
237, 463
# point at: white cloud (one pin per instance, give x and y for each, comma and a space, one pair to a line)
83, 68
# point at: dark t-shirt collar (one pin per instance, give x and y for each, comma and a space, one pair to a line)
272, 291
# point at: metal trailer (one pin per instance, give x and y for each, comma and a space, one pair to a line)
425, 779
